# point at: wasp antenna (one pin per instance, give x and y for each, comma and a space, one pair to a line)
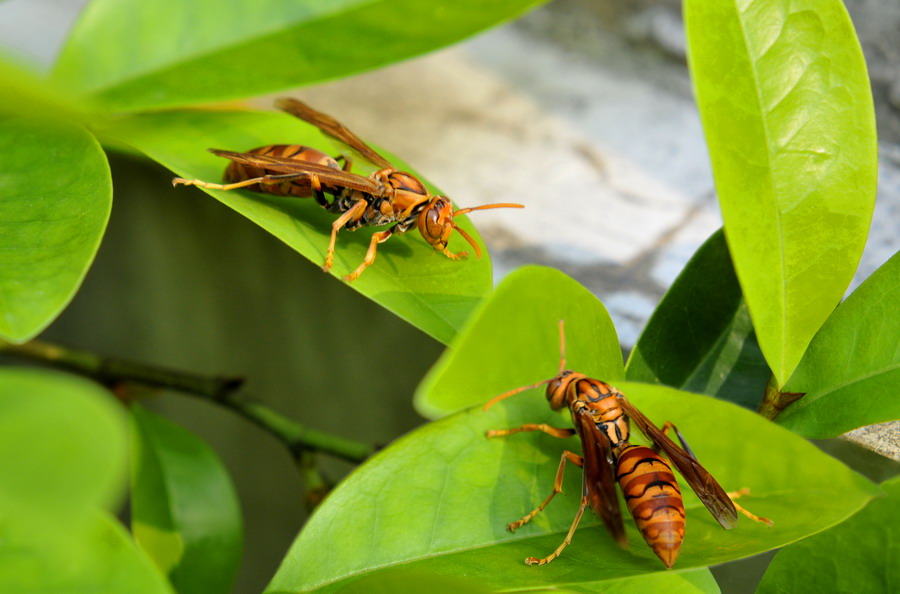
468, 238
487, 206
562, 345
513, 392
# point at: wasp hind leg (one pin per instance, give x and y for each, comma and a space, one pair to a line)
266, 180
741, 493
733, 494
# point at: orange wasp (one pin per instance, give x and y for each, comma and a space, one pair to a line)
386, 197
600, 415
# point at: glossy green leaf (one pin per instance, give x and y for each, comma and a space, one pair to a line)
184, 510
787, 111
488, 356
439, 499
852, 369
392, 581
62, 459
55, 198
423, 287
129, 55
857, 556
700, 338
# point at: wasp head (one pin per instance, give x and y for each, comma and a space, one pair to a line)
436, 224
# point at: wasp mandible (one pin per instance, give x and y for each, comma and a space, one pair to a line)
600, 415
386, 197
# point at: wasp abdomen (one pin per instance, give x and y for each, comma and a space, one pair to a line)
652, 494
300, 187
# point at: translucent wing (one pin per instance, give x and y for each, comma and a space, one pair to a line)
333, 128
327, 175
599, 475
701, 481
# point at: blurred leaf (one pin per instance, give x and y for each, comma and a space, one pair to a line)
700, 338
851, 371
787, 110
130, 55
516, 329
859, 555
55, 198
184, 510
439, 499
26, 94
56, 430
62, 458
409, 278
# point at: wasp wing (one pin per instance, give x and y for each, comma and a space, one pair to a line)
600, 475
327, 175
701, 481
333, 128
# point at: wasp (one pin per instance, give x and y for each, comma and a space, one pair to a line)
385, 197
600, 416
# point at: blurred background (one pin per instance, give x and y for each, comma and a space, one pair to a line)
581, 110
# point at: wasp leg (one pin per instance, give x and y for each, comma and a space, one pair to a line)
684, 444
568, 539
266, 180
741, 493
554, 431
557, 488
379, 237
352, 214
348, 161
460, 256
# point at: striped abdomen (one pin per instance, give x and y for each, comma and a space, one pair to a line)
299, 187
654, 499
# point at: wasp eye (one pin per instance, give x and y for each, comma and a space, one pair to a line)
433, 222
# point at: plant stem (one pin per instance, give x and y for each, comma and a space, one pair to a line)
223, 390
775, 401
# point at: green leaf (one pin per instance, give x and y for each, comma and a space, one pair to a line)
700, 338
130, 55
439, 499
517, 328
26, 94
392, 581
184, 510
787, 110
851, 371
858, 556
56, 430
62, 459
55, 198
409, 278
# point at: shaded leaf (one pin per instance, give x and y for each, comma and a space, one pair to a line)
851, 371
787, 111
55, 198
409, 278
859, 555
62, 459
517, 328
439, 499
130, 55
184, 510
700, 337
